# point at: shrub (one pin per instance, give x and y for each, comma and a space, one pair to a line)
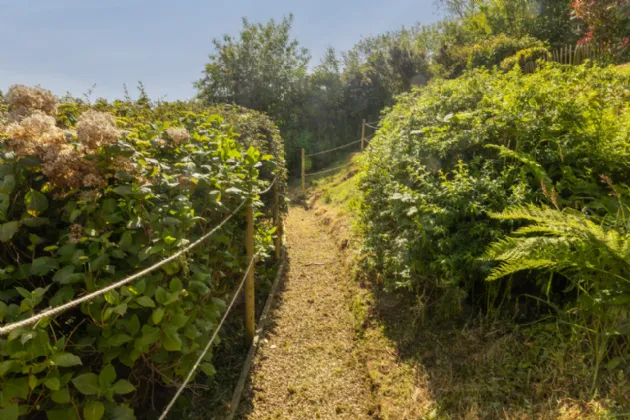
82, 209
522, 57
455, 150
486, 53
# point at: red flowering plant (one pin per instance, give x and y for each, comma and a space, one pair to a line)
607, 23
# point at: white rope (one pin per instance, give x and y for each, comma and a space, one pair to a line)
269, 187
61, 308
371, 126
336, 148
214, 335
329, 170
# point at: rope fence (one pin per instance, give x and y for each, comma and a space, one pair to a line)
207, 348
363, 140
6, 329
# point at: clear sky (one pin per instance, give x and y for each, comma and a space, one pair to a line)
70, 45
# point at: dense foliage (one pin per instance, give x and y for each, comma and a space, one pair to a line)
450, 155
607, 23
119, 188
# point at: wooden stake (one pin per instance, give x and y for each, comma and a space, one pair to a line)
250, 321
303, 173
570, 54
362, 134
276, 220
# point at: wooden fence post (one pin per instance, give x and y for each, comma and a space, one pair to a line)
362, 134
303, 173
276, 219
250, 321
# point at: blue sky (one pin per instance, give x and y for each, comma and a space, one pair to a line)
69, 45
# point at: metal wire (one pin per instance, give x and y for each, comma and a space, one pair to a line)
214, 335
61, 308
336, 148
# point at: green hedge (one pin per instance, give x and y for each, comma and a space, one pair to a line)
85, 207
449, 153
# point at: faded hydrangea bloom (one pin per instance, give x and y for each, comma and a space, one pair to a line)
24, 101
90, 195
96, 129
178, 135
67, 167
76, 233
34, 134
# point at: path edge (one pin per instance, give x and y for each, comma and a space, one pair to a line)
238, 391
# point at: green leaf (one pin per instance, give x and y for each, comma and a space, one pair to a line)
7, 230
93, 410
65, 359
119, 339
35, 202
146, 301
123, 190
157, 315
61, 397
66, 275
7, 366
43, 265
52, 383
122, 412
107, 376
87, 383
175, 285
10, 413
170, 339
121, 309
8, 184
123, 386
208, 369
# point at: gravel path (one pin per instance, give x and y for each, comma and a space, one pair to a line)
306, 367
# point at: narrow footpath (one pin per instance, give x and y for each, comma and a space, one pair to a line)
307, 365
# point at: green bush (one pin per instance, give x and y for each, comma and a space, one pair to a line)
108, 197
522, 57
486, 53
449, 153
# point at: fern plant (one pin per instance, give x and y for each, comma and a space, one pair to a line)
593, 257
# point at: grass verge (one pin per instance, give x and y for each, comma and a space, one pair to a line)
424, 364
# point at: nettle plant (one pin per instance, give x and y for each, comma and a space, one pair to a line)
83, 208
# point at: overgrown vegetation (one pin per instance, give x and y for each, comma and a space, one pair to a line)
94, 193
453, 154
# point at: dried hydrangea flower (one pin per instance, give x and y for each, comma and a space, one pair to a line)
76, 233
178, 135
96, 129
90, 195
24, 101
34, 134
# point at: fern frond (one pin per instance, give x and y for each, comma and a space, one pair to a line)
526, 159
513, 266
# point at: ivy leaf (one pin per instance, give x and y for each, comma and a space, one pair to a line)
7, 230
65, 359
93, 410
119, 339
87, 383
123, 386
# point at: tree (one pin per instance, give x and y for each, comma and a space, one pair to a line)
263, 69
607, 22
